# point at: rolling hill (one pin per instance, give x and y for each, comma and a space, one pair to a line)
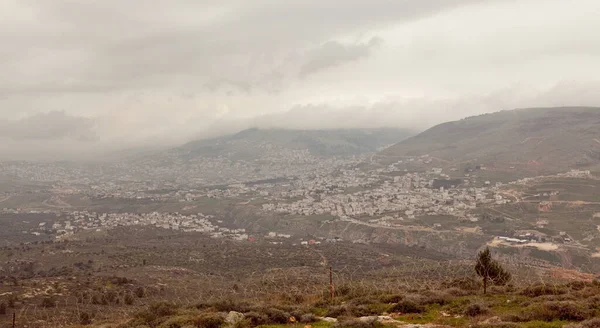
537, 140
254, 143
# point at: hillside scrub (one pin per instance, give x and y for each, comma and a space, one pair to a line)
551, 305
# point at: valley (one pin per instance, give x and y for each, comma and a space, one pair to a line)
264, 210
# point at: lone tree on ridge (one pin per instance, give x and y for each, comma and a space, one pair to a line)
490, 270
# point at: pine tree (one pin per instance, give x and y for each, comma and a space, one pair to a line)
490, 270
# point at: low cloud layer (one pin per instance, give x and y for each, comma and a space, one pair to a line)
86, 78
54, 125
334, 53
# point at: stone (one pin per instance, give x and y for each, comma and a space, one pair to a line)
233, 318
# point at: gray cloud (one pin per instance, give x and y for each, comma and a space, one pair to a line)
55, 125
132, 73
60, 46
335, 53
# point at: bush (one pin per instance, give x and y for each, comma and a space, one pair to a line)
12, 301
155, 312
496, 325
48, 302
174, 322
363, 310
243, 324
228, 305
293, 297
3, 308
128, 299
355, 323
407, 306
594, 302
163, 309
337, 311
119, 281
365, 300
453, 291
549, 311
394, 298
543, 289
210, 320
308, 318
140, 292
577, 285
593, 323
468, 284
85, 318
277, 316
439, 299
475, 309
256, 319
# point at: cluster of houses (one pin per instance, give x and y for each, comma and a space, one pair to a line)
83, 220
410, 195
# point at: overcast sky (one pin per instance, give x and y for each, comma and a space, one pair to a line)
81, 77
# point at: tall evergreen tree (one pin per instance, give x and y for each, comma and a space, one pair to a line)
490, 270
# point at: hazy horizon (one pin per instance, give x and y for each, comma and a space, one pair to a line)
81, 80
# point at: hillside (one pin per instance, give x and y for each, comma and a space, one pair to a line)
538, 140
254, 143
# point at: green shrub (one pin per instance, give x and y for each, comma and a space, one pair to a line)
550, 311
407, 306
155, 313
364, 300
308, 318
210, 320
163, 309
543, 289
293, 297
256, 319
496, 325
363, 310
439, 299
243, 324
393, 298
277, 316
454, 291
467, 284
337, 311
475, 309
355, 323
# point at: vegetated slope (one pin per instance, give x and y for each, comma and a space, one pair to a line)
253, 143
540, 139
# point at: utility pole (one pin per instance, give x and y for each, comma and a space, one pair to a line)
331, 289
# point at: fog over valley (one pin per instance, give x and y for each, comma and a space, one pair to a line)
83, 80
300, 163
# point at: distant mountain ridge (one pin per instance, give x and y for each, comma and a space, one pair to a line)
252, 143
540, 139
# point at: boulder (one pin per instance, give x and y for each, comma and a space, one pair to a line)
233, 318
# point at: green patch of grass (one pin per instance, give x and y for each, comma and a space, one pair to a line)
433, 315
319, 311
378, 307
502, 304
